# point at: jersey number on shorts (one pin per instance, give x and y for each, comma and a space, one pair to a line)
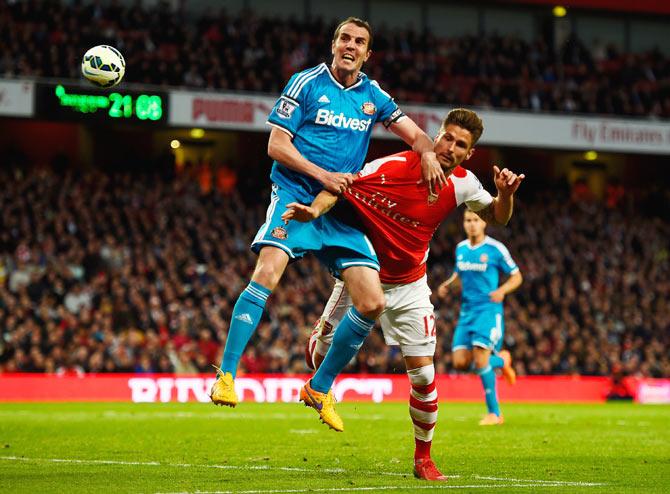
429, 324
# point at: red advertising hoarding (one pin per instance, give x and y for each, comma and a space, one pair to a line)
151, 388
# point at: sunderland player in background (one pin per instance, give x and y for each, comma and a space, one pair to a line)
479, 335
321, 128
400, 214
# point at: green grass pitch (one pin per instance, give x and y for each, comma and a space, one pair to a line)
282, 448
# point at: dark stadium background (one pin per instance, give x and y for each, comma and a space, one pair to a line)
109, 209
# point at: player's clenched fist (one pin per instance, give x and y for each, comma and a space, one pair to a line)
337, 182
432, 172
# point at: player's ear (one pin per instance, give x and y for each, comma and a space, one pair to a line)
367, 55
470, 153
332, 47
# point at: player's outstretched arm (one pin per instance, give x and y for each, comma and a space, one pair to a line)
300, 212
412, 134
281, 149
500, 210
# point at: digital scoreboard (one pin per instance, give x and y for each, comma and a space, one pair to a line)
71, 102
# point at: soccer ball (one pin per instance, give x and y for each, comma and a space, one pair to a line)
103, 65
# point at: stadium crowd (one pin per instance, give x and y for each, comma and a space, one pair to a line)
246, 52
113, 272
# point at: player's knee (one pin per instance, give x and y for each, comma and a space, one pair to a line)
461, 362
372, 306
480, 364
267, 274
481, 358
422, 376
270, 267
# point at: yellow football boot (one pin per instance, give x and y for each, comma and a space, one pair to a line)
492, 419
223, 390
508, 371
324, 404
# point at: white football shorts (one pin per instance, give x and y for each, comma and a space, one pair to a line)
408, 319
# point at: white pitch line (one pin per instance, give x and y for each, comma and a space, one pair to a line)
303, 431
509, 482
194, 465
561, 482
374, 488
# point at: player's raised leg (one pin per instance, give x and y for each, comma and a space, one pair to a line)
481, 357
508, 371
319, 341
247, 313
368, 302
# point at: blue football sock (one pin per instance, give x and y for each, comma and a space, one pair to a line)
246, 316
488, 377
496, 362
347, 340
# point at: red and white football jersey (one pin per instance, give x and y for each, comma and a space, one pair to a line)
400, 214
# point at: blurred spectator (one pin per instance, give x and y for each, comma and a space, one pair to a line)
614, 193
139, 274
619, 390
581, 192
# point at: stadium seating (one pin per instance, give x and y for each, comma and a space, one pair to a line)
247, 52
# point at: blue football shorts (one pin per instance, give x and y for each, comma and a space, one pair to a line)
337, 245
482, 327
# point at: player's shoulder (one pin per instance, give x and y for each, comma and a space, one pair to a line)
310, 71
495, 244
462, 244
463, 175
376, 87
406, 159
304, 79
412, 157
465, 182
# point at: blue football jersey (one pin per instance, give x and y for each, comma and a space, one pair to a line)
330, 125
479, 268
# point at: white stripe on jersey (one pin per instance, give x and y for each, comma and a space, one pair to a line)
280, 128
302, 76
507, 257
295, 92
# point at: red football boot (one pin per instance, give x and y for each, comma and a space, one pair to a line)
425, 469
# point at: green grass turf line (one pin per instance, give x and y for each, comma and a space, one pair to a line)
148, 448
